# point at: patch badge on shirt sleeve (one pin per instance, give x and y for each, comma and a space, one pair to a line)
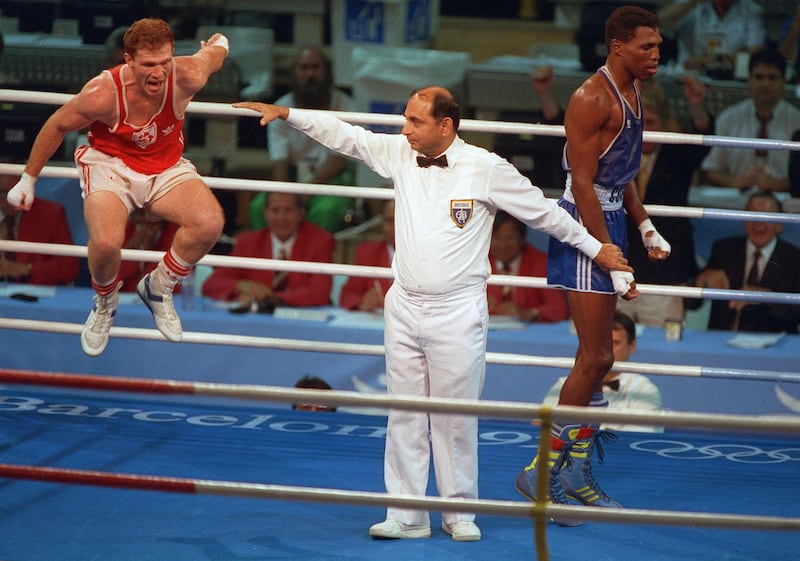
461, 211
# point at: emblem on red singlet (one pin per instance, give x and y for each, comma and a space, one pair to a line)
461, 211
146, 136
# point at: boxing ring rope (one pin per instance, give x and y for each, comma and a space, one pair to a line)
301, 345
467, 124
539, 511
369, 498
384, 193
385, 272
517, 128
224, 109
501, 409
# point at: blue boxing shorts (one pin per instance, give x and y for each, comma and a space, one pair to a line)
572, 269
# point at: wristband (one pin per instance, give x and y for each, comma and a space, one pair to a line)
221, 41
646, 226
22, 194
622, 281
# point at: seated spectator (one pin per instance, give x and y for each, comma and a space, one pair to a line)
709, 33
296, 157
45, 222
665, 177
758, 261
141, 233
314, 383
623, 390
765, 115
288, 235
510, 254
366, 294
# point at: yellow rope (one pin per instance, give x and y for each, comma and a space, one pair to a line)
542, 484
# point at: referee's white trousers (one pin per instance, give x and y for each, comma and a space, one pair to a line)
435, 346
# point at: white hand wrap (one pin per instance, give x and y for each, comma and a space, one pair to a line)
655, 240
220, 41
622, 281
22, 194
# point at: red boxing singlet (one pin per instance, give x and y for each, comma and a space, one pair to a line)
147, 149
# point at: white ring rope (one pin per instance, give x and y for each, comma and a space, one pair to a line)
385, 272
383, 193
370, 498
722, 214
302, 345
783, 424
224, 109
441, 405
263, 185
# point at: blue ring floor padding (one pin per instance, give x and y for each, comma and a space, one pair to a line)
252, 442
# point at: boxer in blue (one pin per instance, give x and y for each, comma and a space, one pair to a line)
601, 156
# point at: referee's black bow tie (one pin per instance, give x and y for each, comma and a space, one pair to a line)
425, 162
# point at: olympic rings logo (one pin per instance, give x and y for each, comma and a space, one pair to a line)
740, 453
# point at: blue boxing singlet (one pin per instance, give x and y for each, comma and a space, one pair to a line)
618, 165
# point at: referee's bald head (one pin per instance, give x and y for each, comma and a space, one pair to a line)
443, 104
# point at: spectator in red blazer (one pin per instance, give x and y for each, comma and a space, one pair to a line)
141, 233
288, 233
510, 254
366, 294
45, 222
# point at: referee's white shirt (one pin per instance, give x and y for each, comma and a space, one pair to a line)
434, 253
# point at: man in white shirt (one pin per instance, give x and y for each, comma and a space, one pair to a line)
767, 115
294, 155
711, 32
446, 195
623, 390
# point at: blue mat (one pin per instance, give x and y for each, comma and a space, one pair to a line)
248, 442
